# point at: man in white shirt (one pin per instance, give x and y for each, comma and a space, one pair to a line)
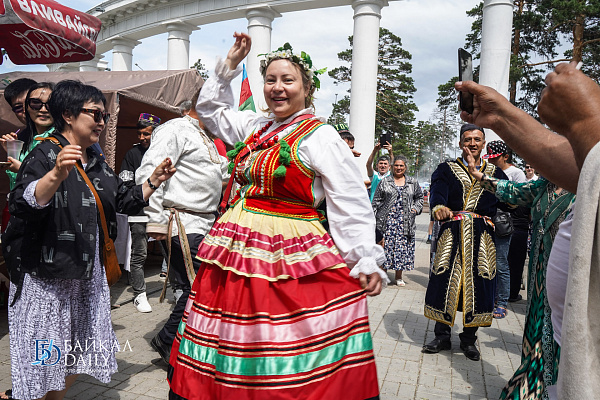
499, 154
194, 196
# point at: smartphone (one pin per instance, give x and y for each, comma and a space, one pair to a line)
385, 138
465, 73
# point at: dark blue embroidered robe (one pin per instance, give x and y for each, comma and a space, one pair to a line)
463, 275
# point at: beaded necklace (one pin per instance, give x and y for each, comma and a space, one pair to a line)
267, 141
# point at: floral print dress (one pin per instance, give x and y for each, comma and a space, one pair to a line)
399, 248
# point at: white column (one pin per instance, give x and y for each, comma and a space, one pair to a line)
95, 64
178, 54
259, 29
123, 53
496, 34
363, 89
63, 67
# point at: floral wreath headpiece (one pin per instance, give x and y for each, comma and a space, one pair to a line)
303, 60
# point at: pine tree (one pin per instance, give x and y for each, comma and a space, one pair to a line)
578, 23
199, 66
395, 88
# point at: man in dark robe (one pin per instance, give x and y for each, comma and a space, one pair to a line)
462, 277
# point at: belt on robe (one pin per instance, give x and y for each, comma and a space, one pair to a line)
460, 215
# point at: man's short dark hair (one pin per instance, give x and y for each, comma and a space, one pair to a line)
384, 158
347, 136
16, 88
70, 96
470, 127
509, 152
141, 124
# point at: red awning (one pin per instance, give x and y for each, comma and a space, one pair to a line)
46, 32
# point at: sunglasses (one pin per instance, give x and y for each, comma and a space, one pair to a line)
528, 167
18, 108
98, 115
37, 104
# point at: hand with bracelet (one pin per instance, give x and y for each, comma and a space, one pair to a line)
161, 173
442, 213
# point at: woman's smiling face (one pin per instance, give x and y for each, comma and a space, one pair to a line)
399, 168
284, 90
41, 117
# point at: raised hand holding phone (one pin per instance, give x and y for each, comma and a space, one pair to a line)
465, 73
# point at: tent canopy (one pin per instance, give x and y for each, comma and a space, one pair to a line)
128, 93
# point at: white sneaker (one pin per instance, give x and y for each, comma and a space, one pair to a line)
400, 282
141, 303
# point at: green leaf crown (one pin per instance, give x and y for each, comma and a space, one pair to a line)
303, 60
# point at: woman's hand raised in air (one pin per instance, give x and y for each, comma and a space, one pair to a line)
239, 50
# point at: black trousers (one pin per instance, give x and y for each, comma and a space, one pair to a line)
516, 260
178, 278
444, 332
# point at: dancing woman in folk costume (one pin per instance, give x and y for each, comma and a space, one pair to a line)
275, 311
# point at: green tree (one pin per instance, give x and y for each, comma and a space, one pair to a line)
447, 119
395, 88
201, 68
340, 111
540, 28
529, 39
578, 23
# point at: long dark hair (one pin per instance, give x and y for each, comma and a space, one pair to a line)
31, 130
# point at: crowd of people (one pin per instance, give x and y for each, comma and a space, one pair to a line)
271, 285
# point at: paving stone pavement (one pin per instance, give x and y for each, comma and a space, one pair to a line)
397, 323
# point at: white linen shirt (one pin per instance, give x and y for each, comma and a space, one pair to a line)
195, 188
338, 178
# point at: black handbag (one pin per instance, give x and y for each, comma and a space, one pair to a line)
503, 224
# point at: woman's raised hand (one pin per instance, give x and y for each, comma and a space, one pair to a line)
239, 50
162, 172
66, 160
471, 164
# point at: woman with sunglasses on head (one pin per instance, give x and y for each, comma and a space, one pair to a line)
59, 314
278, 308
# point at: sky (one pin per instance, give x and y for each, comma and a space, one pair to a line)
431, 30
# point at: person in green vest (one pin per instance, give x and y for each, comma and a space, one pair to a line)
39, 123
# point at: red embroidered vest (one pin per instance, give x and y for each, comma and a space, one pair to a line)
289, 196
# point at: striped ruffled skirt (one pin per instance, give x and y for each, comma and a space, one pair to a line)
249, 333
